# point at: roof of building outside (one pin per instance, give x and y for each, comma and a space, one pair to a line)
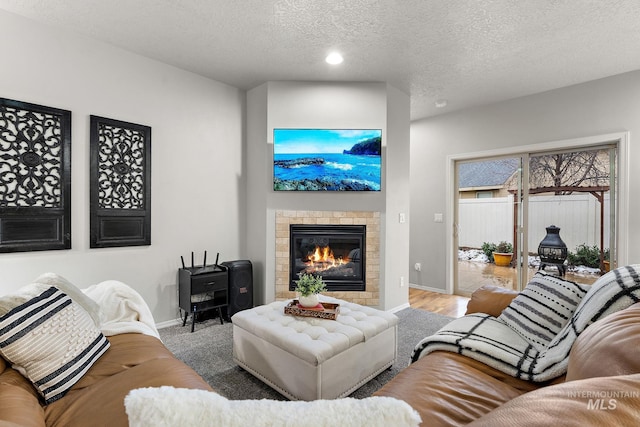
487, 173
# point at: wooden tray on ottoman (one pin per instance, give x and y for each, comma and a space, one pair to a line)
330, 311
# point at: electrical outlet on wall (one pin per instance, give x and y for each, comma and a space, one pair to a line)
401, 281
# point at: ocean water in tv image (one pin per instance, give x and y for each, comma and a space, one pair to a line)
331, 171
327, 160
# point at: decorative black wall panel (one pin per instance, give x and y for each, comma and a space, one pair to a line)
35, 177
120, 183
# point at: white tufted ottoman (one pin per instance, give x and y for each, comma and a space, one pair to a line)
306, 358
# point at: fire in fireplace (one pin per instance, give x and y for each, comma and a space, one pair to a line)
335, 252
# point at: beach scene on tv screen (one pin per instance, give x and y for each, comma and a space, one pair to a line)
327, 159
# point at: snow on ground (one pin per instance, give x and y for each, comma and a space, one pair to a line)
476, 255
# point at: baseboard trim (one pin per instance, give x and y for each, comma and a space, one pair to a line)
168, 323
400, 307
429, 288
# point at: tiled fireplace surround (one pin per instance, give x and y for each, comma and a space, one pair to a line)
371, 295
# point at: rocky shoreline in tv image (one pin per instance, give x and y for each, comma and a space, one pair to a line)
294, 163
321, 184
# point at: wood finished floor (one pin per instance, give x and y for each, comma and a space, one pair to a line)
435, 302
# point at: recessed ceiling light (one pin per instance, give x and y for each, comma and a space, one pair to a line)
334, 58
441, 103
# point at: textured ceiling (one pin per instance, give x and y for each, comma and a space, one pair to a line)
470, 52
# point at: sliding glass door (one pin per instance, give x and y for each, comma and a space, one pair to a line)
572, 193
509, 204
488, 221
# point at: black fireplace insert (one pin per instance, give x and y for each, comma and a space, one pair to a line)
335, 252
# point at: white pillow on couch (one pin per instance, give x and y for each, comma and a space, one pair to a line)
169, 406
543, 308
44, 282
49, 338
76, 294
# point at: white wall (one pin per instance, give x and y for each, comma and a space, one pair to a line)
322, 105
197, 176
395, 251
256, 195
595, 108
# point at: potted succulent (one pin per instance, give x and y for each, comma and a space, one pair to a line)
503, 254
309, 286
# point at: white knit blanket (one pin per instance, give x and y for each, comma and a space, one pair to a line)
484, 338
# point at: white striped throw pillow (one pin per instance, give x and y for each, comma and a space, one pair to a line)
51, 340
542, 309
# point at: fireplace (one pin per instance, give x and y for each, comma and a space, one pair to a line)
335, 252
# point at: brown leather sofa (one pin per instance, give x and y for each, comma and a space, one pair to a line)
601, 386
132, 361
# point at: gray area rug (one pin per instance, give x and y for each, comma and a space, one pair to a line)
208, 350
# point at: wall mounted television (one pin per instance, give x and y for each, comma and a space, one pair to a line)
327, 159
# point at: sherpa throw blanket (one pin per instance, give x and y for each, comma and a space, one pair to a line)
168, 407
123, 309
494, 342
